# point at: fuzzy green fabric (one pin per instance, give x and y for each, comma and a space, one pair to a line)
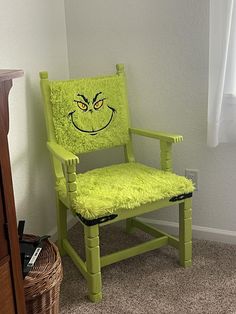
90, 113
104, 190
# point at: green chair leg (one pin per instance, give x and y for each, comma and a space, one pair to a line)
129, 226
93, 264
185, 233
61, 226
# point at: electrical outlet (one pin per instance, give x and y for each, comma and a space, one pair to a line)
192, 174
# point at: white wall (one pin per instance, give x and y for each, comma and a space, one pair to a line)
164, 44
33, 38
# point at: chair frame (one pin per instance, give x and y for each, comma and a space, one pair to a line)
65, 163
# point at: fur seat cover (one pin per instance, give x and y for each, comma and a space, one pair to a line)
102, 191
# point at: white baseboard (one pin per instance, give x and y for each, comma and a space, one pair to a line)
203, 233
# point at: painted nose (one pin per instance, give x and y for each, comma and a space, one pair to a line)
91, 110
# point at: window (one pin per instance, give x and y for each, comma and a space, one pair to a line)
222, 73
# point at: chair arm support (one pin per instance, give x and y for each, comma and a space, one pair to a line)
166, 141
63, 155
69, 161
170, 138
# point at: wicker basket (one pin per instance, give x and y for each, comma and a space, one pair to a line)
42, 284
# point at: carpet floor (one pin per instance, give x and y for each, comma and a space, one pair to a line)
154, 282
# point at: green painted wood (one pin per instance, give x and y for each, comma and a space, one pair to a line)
79, 263
187, 263
188, 213
93, 262
120, 68
95, 284
92, 249
173, 241
128, 151
172, 138
146, 208
91, 231
188, 204
69, 162
165, 144
133, 251
71, 177
69, 169
71, 197
129, 225
166, 156
61, 225
188, 251
128, 147
71, 186
64, 156
92, 259
92, 242
94, 287
96, 297
45, 89
187, 230
185, 233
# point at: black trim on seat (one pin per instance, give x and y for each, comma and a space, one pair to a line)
92, 222
181, 197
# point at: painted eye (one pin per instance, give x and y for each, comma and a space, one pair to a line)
82, 105
98, 104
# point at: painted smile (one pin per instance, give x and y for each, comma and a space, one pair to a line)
92, 132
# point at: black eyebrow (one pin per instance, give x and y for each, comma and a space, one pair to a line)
95, 97
84, 98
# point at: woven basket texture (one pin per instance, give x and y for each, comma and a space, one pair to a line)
42, 284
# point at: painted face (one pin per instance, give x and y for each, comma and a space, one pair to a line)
92, 115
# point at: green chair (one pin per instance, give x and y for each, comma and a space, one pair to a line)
90, 114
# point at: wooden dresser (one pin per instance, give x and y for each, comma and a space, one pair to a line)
11, 282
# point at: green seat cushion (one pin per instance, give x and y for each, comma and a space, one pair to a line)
102, 191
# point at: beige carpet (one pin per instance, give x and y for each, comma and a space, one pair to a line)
154, 282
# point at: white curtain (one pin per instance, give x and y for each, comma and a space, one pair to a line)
222, 73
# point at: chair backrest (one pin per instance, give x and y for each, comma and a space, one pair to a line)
87, 114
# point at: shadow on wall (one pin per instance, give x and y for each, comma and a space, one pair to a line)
38, 205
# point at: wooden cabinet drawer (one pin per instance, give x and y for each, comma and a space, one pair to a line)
6, 295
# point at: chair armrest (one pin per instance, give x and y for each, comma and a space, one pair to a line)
69, 161
170, 138
166, 141
62, 154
